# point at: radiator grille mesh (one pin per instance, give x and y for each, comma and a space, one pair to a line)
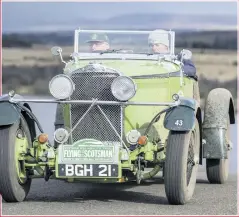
95, 82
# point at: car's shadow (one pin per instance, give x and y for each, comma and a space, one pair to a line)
101, 192
57, 191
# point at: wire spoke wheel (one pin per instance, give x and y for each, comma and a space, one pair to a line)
21, 145
190, 161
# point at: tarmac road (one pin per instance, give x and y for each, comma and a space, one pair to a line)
60, 198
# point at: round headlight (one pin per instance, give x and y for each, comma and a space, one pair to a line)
61, 135
123, 88
133, 136
61, 86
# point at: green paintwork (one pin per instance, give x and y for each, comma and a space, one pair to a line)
40, 150
148, 149
20, 149
130, 67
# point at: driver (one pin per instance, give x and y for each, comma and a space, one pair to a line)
158, 42
98, 43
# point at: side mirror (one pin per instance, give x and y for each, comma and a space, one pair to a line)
74, 56
56, 51
186, 54
11, 93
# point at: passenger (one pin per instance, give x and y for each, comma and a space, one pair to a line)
158, 41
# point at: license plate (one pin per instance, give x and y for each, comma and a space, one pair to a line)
88, 170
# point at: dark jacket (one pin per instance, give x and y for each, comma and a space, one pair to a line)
189, 69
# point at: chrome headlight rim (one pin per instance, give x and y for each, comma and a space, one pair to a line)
131, 80
69, 79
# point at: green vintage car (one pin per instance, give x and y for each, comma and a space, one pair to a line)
122, 116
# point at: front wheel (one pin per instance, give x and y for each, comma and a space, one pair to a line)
181, 165
14, 181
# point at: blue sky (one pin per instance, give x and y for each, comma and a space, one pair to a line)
19, 15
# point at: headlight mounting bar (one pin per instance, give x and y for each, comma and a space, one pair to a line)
175, 103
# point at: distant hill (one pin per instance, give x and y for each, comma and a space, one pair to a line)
187, 39
139, 21
192, 31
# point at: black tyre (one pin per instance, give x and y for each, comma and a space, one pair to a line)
218, 169
14, 187
181, 165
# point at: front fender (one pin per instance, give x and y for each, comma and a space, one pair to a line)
182, 117
9, 113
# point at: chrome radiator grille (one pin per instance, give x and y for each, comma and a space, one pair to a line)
95, 84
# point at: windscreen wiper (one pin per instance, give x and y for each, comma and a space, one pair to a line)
111, 51
149, 54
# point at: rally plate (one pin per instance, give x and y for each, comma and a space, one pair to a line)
88, 170
89, 152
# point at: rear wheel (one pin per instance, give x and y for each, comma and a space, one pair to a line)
181, 165
14, 181
218, 169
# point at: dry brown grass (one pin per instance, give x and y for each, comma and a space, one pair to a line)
211, 64
40, 56
219, 65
